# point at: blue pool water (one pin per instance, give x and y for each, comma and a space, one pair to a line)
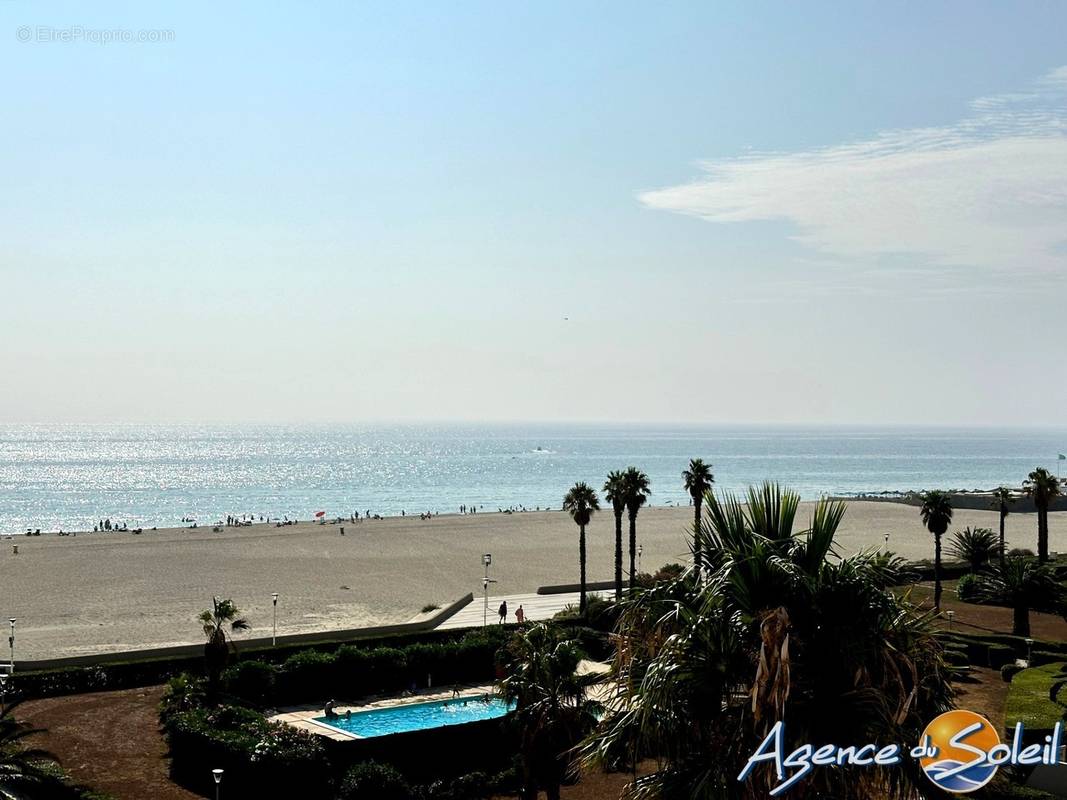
418, 716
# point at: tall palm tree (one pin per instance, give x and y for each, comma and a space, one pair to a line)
23, 770
782, 630
936, 514
581, 502
1003, 497
1022, 584
615, 493
635, 492
217, 650
540, 666
698, 480
1042, 487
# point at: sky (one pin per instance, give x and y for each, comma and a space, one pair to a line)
684, 212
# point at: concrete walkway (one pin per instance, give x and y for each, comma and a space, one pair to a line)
536, 606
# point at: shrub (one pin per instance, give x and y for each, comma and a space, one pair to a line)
976, 546
1020, 552
1009, 671
957, 657
967, 588
251, 681
373, 781
183, 693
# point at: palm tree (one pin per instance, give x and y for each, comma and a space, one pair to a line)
615, 493
540, 666
1002, 498
936, 513
1022, 584
698, 480
217, 650
581, 502
23, 770
1043, 488
635, 492
783, 629
976, 546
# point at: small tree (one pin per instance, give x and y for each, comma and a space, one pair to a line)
976, 546
540, 666
698, 480
1021, 584
936, 514
636, 492
217, 649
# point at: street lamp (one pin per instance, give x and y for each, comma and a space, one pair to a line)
11, 644
1029, 645
487, 559
887, 541
217, 775
640, 550
274, 636
3, 692
950, 615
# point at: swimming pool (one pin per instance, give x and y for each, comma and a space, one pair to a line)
417, 716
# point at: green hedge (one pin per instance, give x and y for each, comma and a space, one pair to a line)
1028, 697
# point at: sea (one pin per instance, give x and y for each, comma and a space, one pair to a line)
69, 477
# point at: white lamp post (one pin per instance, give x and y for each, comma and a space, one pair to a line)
487, 559
950, 615
3, 692
217, 775
11, 644
640, 550
274, 635
887, 542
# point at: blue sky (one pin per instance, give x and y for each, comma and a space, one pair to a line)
733, 213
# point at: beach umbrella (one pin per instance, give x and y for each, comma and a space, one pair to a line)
320, 514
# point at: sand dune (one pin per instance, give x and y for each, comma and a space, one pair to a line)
100, 592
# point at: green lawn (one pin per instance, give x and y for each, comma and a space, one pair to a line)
1028, 698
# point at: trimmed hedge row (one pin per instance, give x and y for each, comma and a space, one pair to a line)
353, 672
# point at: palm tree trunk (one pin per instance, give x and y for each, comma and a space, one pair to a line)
1003, 516
698, 552
937, 572
633, 551
1042, 533
1020, 622
618, 555
581, 563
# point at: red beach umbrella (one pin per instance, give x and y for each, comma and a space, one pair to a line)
320, 514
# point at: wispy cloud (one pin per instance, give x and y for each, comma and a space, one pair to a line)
989, 191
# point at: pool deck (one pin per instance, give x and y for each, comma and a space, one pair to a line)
303, 717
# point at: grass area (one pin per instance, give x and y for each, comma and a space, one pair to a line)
1028, 697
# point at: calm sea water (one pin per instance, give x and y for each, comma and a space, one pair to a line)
69, 477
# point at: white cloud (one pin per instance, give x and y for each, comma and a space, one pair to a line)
988, 192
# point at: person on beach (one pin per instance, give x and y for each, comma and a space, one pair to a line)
520, 615
503, 611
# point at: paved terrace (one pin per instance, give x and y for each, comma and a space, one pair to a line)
536, 606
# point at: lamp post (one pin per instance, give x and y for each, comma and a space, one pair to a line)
950, 615
1029, 645
217, 775
487, 559
887, 542
11, 644
640, 550
3, 693
274, 635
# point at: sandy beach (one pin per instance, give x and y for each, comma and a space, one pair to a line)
117, 591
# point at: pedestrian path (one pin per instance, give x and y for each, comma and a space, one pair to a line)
536, 607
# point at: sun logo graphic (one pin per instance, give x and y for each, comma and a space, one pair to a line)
955, 751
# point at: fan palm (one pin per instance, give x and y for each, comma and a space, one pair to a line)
936, 514
1003, 497
615, 493
782, 629
698, 480
23, 772
581, 502
551, 708
976, 546
223, 615
635, 493
1043, 488
1021, 584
